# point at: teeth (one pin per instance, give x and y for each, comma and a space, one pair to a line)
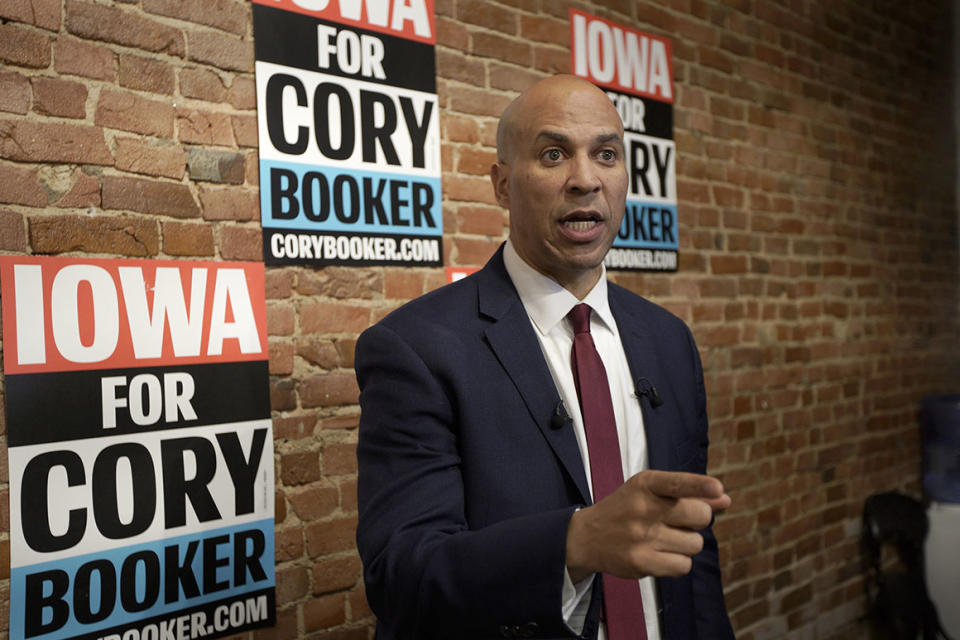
580, 225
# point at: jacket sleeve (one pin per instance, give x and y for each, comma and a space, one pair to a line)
712, 621
427, 573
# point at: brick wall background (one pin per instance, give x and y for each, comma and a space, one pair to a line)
818, 233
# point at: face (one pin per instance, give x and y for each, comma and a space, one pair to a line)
563, 177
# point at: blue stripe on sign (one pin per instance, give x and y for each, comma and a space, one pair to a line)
314, 198
20, 607
648, 225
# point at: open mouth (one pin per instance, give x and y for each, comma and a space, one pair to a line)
580, 221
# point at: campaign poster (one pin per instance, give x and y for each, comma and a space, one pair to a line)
349, 132
636, 71
140, 448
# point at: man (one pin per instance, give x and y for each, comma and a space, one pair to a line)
479, 459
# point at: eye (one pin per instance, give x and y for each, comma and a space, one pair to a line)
552, 155
607, 155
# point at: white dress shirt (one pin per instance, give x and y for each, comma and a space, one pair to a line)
547, 305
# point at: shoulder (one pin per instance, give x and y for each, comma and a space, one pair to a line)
625, 302
447, 306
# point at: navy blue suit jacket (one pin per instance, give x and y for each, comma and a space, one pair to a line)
466, 486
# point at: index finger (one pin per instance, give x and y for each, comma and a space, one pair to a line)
677, 484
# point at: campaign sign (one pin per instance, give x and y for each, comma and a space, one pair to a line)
140, 448
349, 132
636, 71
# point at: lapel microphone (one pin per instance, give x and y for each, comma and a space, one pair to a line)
560, 419
645, 388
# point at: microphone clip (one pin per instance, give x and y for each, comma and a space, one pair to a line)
560, 419
645, 388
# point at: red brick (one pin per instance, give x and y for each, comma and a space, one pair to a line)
348, 494
5, 560
331, 536
459, 129
325, 318
347, 421
124, 236
359, 607
329, 390
129, 112
52, 142
551, 59
324, 612
202, 84
221, 50
245, 130
204, 127
468, 188
510, 78
490, 16
471, 252
280, 360
299, 468
146, 74
123, 26
335, 573
481, 102
238, 243
187, 239
314, 502
156, 159
288, 544
281, 319
79, 58
228, 15
459, 67
84, 191
475, 161
402, 284
722, 265
14, 93
13, 236
451, 34
149, 196
293, 427
482, 221
19, 185
545, 29
243, 93
41, 13
510, 50
24, 47
293, 583
339, 282
321, 353
230, 203
346, 347
55, 97
339, 459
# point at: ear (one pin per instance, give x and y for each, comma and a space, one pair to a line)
500, 177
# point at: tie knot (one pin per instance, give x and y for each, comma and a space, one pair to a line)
580, 317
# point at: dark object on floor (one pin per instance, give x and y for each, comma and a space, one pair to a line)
891, 544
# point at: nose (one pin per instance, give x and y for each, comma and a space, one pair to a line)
582, 177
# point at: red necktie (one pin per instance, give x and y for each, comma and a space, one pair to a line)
622, 604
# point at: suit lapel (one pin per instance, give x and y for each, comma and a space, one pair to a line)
640, 348
515, 345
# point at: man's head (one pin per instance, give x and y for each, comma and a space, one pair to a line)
560, 171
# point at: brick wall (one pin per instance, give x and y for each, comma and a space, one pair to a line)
818, 236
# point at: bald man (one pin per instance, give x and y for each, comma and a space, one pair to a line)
533, 439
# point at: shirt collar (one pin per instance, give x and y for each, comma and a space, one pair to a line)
546, 302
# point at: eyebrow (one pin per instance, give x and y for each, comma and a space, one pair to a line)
562, 138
